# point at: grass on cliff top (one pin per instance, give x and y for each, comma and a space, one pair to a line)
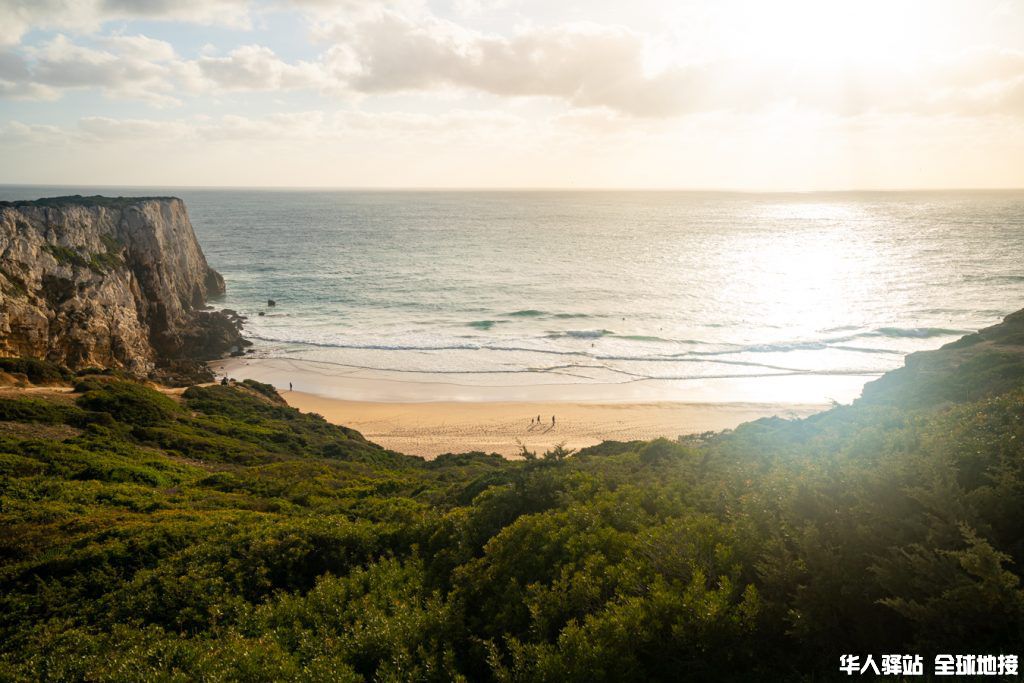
79, 200
224, 536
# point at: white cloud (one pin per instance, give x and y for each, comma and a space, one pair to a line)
253, 67
60, 63
622, 94
580, 66
104, 129
314, 127
613, 67
20, 90
85, 16
583, 65
382, 47
16, 132
19, 16
139, 47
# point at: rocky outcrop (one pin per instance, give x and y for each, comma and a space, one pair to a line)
114, 283
985, 363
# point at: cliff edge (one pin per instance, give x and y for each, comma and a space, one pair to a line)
109, 282
985, 363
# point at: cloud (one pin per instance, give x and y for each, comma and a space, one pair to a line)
141, 68
19, 16
584, 65
104, 129
60, 63
380, 47
13, 67
84, 16
89, 16
18, 90
139, 47
253, 67
16, 132
313, 128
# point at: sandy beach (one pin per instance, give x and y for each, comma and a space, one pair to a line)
482, 421
430, 429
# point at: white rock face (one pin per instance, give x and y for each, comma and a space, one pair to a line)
107, 282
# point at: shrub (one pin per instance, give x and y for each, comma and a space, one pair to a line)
662, 450
127, 402
37, 371
35, 410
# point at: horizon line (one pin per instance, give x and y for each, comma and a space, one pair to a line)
512, 188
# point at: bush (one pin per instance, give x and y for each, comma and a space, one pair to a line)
662, 450
238, 539
35, 410
37, 371
127, 402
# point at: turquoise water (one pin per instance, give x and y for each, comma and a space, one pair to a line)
607, 287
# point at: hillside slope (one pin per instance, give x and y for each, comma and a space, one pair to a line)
981, 364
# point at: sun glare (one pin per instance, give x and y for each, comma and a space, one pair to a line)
826, 34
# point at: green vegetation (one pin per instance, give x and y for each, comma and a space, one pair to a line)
35, 371
222, 535
104, 262
12, 283
107, 260
66, 256
100, 263
987, 363
112, 244
79, 200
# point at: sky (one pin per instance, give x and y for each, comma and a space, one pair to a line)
790, 95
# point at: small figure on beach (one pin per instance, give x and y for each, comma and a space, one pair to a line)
289, 386
552, 420
538, 419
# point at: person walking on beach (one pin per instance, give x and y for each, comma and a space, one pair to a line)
552, 421
289, 386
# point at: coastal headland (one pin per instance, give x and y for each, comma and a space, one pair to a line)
110, 282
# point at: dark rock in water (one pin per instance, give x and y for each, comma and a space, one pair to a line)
214, 283
237, 353
986, 363
271, 302
112, 283
262, 313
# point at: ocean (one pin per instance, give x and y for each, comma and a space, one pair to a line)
671, 290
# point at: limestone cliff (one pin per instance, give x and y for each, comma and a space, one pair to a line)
115, 283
